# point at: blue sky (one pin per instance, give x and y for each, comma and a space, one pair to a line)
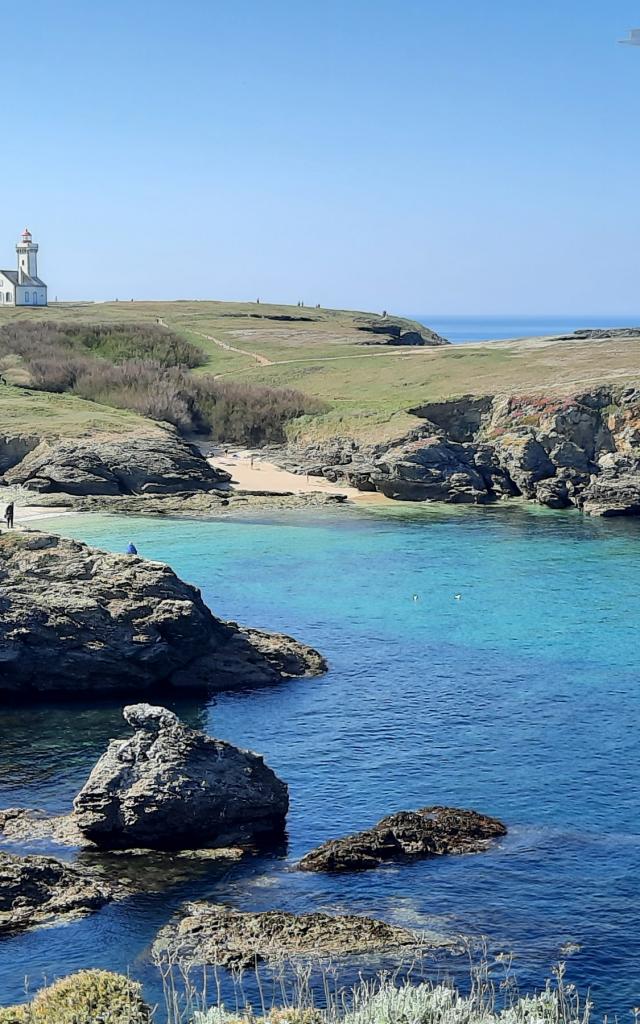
459, 156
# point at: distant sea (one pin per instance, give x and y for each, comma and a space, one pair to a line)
460, 329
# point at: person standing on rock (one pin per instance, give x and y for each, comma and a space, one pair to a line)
131, 549
8, 515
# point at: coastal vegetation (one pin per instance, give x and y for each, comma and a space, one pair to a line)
100, 997
146, 369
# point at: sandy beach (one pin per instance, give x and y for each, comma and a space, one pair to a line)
250, 471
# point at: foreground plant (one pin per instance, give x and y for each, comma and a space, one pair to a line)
386, 1002
89, 997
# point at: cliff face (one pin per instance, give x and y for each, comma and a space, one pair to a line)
581, 450
77, 621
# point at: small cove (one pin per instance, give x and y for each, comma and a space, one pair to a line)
520, 699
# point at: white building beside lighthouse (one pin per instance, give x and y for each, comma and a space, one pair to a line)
23, 287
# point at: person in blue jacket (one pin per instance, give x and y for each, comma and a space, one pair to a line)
131, 549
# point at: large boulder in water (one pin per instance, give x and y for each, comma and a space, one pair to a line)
76, 621
170, 786
407, 835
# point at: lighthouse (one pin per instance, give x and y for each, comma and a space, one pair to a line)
27, 251
23, 287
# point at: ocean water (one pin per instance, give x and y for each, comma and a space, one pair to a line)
460, 329
522, 700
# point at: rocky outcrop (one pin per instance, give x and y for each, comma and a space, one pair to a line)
391, 330
77, 621
156, 463
216, 935
596, 333
170, 786
35, 890
429, 832
581, 450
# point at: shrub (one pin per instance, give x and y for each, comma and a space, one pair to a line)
89, 361
114, 342
89, 997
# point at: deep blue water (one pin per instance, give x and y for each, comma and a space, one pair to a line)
521, 700
459, 329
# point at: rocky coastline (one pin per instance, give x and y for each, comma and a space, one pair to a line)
159, 462
35, 890
580, 450
170, 790
212, 504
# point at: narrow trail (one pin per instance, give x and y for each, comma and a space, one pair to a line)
398, 353
261, 360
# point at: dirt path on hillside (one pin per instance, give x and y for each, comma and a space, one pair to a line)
261, 360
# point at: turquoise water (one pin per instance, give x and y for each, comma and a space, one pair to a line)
459, 329
521, 700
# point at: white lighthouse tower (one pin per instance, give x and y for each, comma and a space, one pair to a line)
23, 287
27, 251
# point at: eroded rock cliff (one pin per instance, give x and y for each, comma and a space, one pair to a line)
581, 450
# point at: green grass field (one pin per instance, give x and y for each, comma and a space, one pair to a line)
45, 414
369, 388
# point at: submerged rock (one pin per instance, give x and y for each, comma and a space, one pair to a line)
170, 786
77, 621
214, 934
428, 832
34, 890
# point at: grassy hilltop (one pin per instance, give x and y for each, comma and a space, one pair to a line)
368, 387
